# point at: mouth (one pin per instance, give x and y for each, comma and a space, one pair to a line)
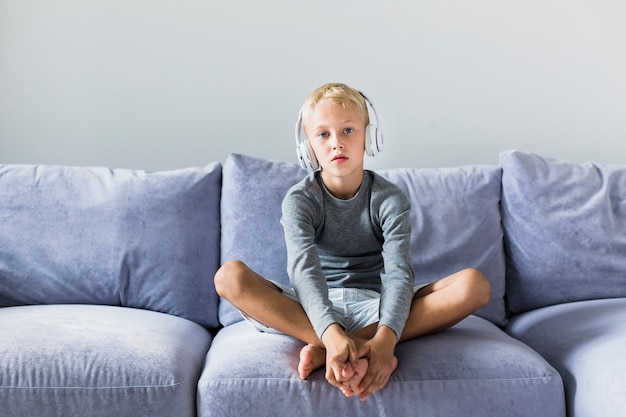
339, 158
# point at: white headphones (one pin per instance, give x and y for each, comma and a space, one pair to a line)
373, 139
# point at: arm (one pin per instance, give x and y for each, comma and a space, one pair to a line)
397, 274
300, 217
393, 218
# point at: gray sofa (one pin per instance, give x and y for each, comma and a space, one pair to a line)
107, 306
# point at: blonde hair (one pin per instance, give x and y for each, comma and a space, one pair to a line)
337, 93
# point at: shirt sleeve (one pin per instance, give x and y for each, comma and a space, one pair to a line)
397, 274
300, 213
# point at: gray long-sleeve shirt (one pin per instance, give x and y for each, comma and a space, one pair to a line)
363, 242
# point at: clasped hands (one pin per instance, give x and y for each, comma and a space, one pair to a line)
359, 366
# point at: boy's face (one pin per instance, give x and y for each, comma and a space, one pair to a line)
337, 136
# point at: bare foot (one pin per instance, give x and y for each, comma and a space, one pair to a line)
311, 358
351, 386
362, 396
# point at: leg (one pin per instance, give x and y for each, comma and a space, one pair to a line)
446, 302
263, 301
441, 305
260, 299
435, 307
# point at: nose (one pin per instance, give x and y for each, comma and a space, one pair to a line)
336, 141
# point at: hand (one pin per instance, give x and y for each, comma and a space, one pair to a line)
380, 352
341, 356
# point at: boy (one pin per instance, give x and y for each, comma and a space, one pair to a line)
348, 241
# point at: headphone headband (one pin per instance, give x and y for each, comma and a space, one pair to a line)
373, 138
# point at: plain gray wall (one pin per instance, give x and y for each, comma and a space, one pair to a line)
155, 85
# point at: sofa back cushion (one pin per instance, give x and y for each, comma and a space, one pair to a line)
455, 217
115, 237
252, 193
565, 230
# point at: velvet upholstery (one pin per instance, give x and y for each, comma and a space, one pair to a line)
114, 237
565, 230
454, 214
473, 369
585, 341
98, 361
252, 193
91, 259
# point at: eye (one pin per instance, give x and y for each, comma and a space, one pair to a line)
323, 135
348, 130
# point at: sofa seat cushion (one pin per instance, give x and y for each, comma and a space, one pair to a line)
564, 230
472, 369
83, 235
81, 360
455, 218
586, 342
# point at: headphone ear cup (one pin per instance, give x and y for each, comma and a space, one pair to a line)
306, 156
379, 141
373, 135
373, 140
368, 140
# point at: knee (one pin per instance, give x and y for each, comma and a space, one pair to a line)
478, 288
229, 278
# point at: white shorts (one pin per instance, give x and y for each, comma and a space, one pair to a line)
355, 308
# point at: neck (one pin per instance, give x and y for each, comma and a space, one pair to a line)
343, 188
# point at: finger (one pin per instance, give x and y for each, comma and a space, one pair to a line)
367, 379
377, 383
333, 376
353, 358
367, 392
366, 383
363, 351
346, 390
